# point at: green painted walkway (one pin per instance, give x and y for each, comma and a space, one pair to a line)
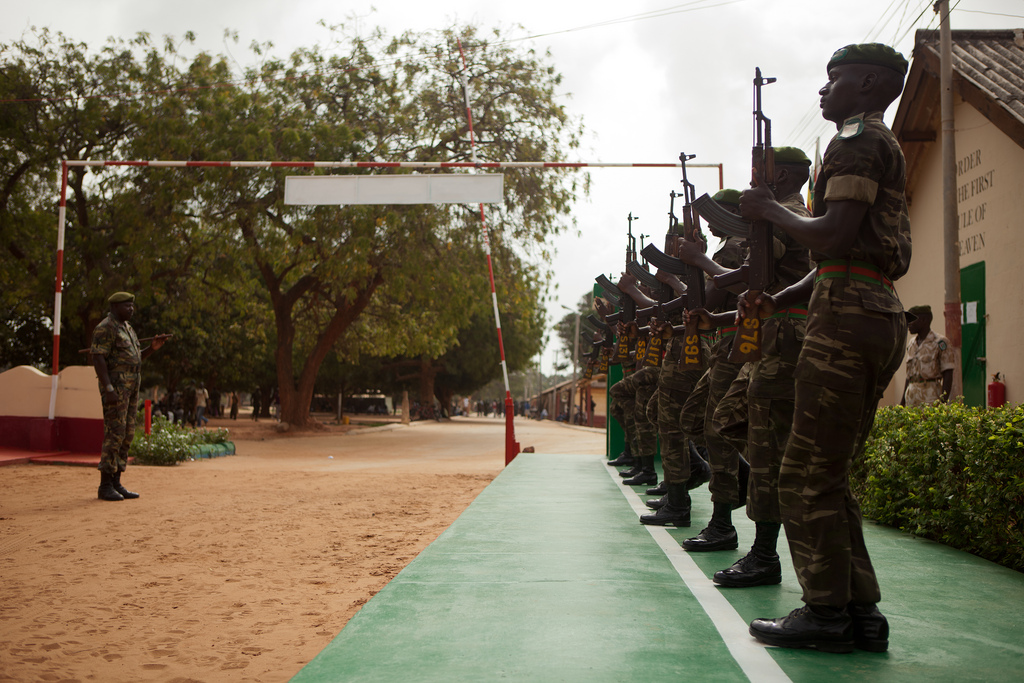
548, 576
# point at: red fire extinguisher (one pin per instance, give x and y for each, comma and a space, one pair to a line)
996, 391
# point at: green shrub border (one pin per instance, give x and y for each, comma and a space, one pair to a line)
949, 473
169, 444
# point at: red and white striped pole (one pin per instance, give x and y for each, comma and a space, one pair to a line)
59, 287
511, 445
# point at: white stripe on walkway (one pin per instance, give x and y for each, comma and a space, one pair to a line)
751, 655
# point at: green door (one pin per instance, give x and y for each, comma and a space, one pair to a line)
972, 320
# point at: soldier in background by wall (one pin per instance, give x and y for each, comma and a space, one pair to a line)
117, 357
930, 362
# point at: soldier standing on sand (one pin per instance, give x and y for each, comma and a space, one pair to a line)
117, 357
859, 237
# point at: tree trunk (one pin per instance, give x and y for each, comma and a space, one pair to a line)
427, 374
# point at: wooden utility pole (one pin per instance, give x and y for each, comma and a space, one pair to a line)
950, 226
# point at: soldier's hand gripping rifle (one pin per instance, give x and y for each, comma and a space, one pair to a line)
626, 305
759, 271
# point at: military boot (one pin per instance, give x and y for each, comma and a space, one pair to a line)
655, 503
700, 470
719, 534
761, 566
107, 490
675, 511
125, 493
870, 628
660, 490
646, 475
625, 458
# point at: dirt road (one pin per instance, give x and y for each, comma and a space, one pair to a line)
233, 569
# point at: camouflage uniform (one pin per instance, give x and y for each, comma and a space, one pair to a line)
119, 346
770, 391
856, 332
675, 385
629, 398
699, 409
926, 361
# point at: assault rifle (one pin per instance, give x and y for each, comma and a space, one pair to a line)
693, 277
759, 270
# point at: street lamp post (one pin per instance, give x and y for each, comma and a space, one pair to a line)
575, 351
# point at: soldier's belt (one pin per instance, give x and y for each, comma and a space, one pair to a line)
790, 314
125, 368
922, 380
852, 270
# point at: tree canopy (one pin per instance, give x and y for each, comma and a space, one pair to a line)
215, 255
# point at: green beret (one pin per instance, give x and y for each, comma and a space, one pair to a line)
121, 297
791, 155
920, 310
869, 53
730, 197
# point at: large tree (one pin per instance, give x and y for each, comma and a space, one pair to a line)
214, 248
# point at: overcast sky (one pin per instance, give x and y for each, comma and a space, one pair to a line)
649, 78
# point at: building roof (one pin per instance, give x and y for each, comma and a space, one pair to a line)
988, 73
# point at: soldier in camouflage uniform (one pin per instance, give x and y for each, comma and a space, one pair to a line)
631, 395
768, 415
859, 238
663, 410
930, 362
698, 391
728, 468
117, 357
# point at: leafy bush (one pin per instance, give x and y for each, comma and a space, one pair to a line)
171, 443
948, 473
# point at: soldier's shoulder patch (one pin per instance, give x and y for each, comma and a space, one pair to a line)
942, 346
851, 128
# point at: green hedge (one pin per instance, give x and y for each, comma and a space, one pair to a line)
169, 443
949, 473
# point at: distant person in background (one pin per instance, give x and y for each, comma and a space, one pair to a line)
930, 362
234, 405
202, 397
256, 404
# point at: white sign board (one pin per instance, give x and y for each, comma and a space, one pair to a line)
395, 189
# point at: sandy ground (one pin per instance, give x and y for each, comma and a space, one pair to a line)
233, 569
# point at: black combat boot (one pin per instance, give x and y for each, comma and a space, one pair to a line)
660, 490
655, 503
107, 490
625, 458
125, 493
700, 470
760, 567
829, 629
870, 628
646, 475
675, 511
720, 534
636, 469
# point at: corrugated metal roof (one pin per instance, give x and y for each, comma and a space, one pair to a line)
988, 73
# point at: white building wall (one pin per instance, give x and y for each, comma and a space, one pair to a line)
990, 198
